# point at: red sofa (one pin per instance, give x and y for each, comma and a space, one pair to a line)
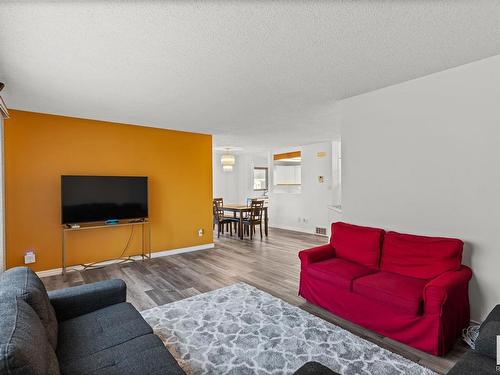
410, 288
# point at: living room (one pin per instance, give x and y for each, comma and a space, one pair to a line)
359, 137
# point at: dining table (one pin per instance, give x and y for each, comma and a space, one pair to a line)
241, 209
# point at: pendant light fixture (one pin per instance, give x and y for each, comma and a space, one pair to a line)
227, 160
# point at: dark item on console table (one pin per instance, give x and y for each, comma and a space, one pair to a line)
482, 360
87, 329
410, 288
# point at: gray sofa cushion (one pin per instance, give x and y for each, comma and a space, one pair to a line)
83, 299
139, 356
24, 347
23, 283
486, 343
93, 332
473, 363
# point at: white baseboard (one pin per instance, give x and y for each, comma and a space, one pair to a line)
182, 250
301, 230
57, 271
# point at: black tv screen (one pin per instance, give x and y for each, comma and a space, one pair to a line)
101, 198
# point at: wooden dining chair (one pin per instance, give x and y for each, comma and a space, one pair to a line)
246, 215
220, 201
254, 218
229, 220
222, 220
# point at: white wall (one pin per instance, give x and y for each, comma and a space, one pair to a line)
224, 183
245, 174
424, 157
307, 209
302, 210
237, 186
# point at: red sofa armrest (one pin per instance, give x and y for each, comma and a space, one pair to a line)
452, 285
316, 254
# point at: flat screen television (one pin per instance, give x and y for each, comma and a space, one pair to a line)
101, 198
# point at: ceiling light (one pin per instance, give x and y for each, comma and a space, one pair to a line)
227, 160
228, 148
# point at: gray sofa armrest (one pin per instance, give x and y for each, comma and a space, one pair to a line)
493, 316
78, 300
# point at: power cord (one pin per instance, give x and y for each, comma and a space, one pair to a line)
470, 335
128, 241
93, 264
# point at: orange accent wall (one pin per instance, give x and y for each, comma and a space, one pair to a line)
39, 148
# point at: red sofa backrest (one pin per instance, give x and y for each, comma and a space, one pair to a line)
357, 244
420, 256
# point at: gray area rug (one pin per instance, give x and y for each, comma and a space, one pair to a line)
243, 330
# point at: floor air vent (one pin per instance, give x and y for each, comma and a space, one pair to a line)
321, 231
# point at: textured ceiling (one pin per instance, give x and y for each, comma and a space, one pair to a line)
254, 73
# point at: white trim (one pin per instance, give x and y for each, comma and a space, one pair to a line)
336, 208
4, 112
301, 230
57, 271
182, 250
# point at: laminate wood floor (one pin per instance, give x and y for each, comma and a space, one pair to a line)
271, 265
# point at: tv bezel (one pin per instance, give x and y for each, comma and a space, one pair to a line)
104, 220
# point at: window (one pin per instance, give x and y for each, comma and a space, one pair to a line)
287, 169
260, 178
287, 174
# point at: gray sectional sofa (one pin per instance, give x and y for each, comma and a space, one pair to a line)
87, 329
483, 359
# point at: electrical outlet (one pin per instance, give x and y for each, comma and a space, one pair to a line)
29, 257
201, 232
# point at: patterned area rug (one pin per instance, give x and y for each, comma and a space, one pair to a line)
243, 330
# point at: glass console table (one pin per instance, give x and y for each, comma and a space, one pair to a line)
145, 242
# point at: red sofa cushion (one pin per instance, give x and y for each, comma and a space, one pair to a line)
420, 256
402, 292
338, 272
357, 244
